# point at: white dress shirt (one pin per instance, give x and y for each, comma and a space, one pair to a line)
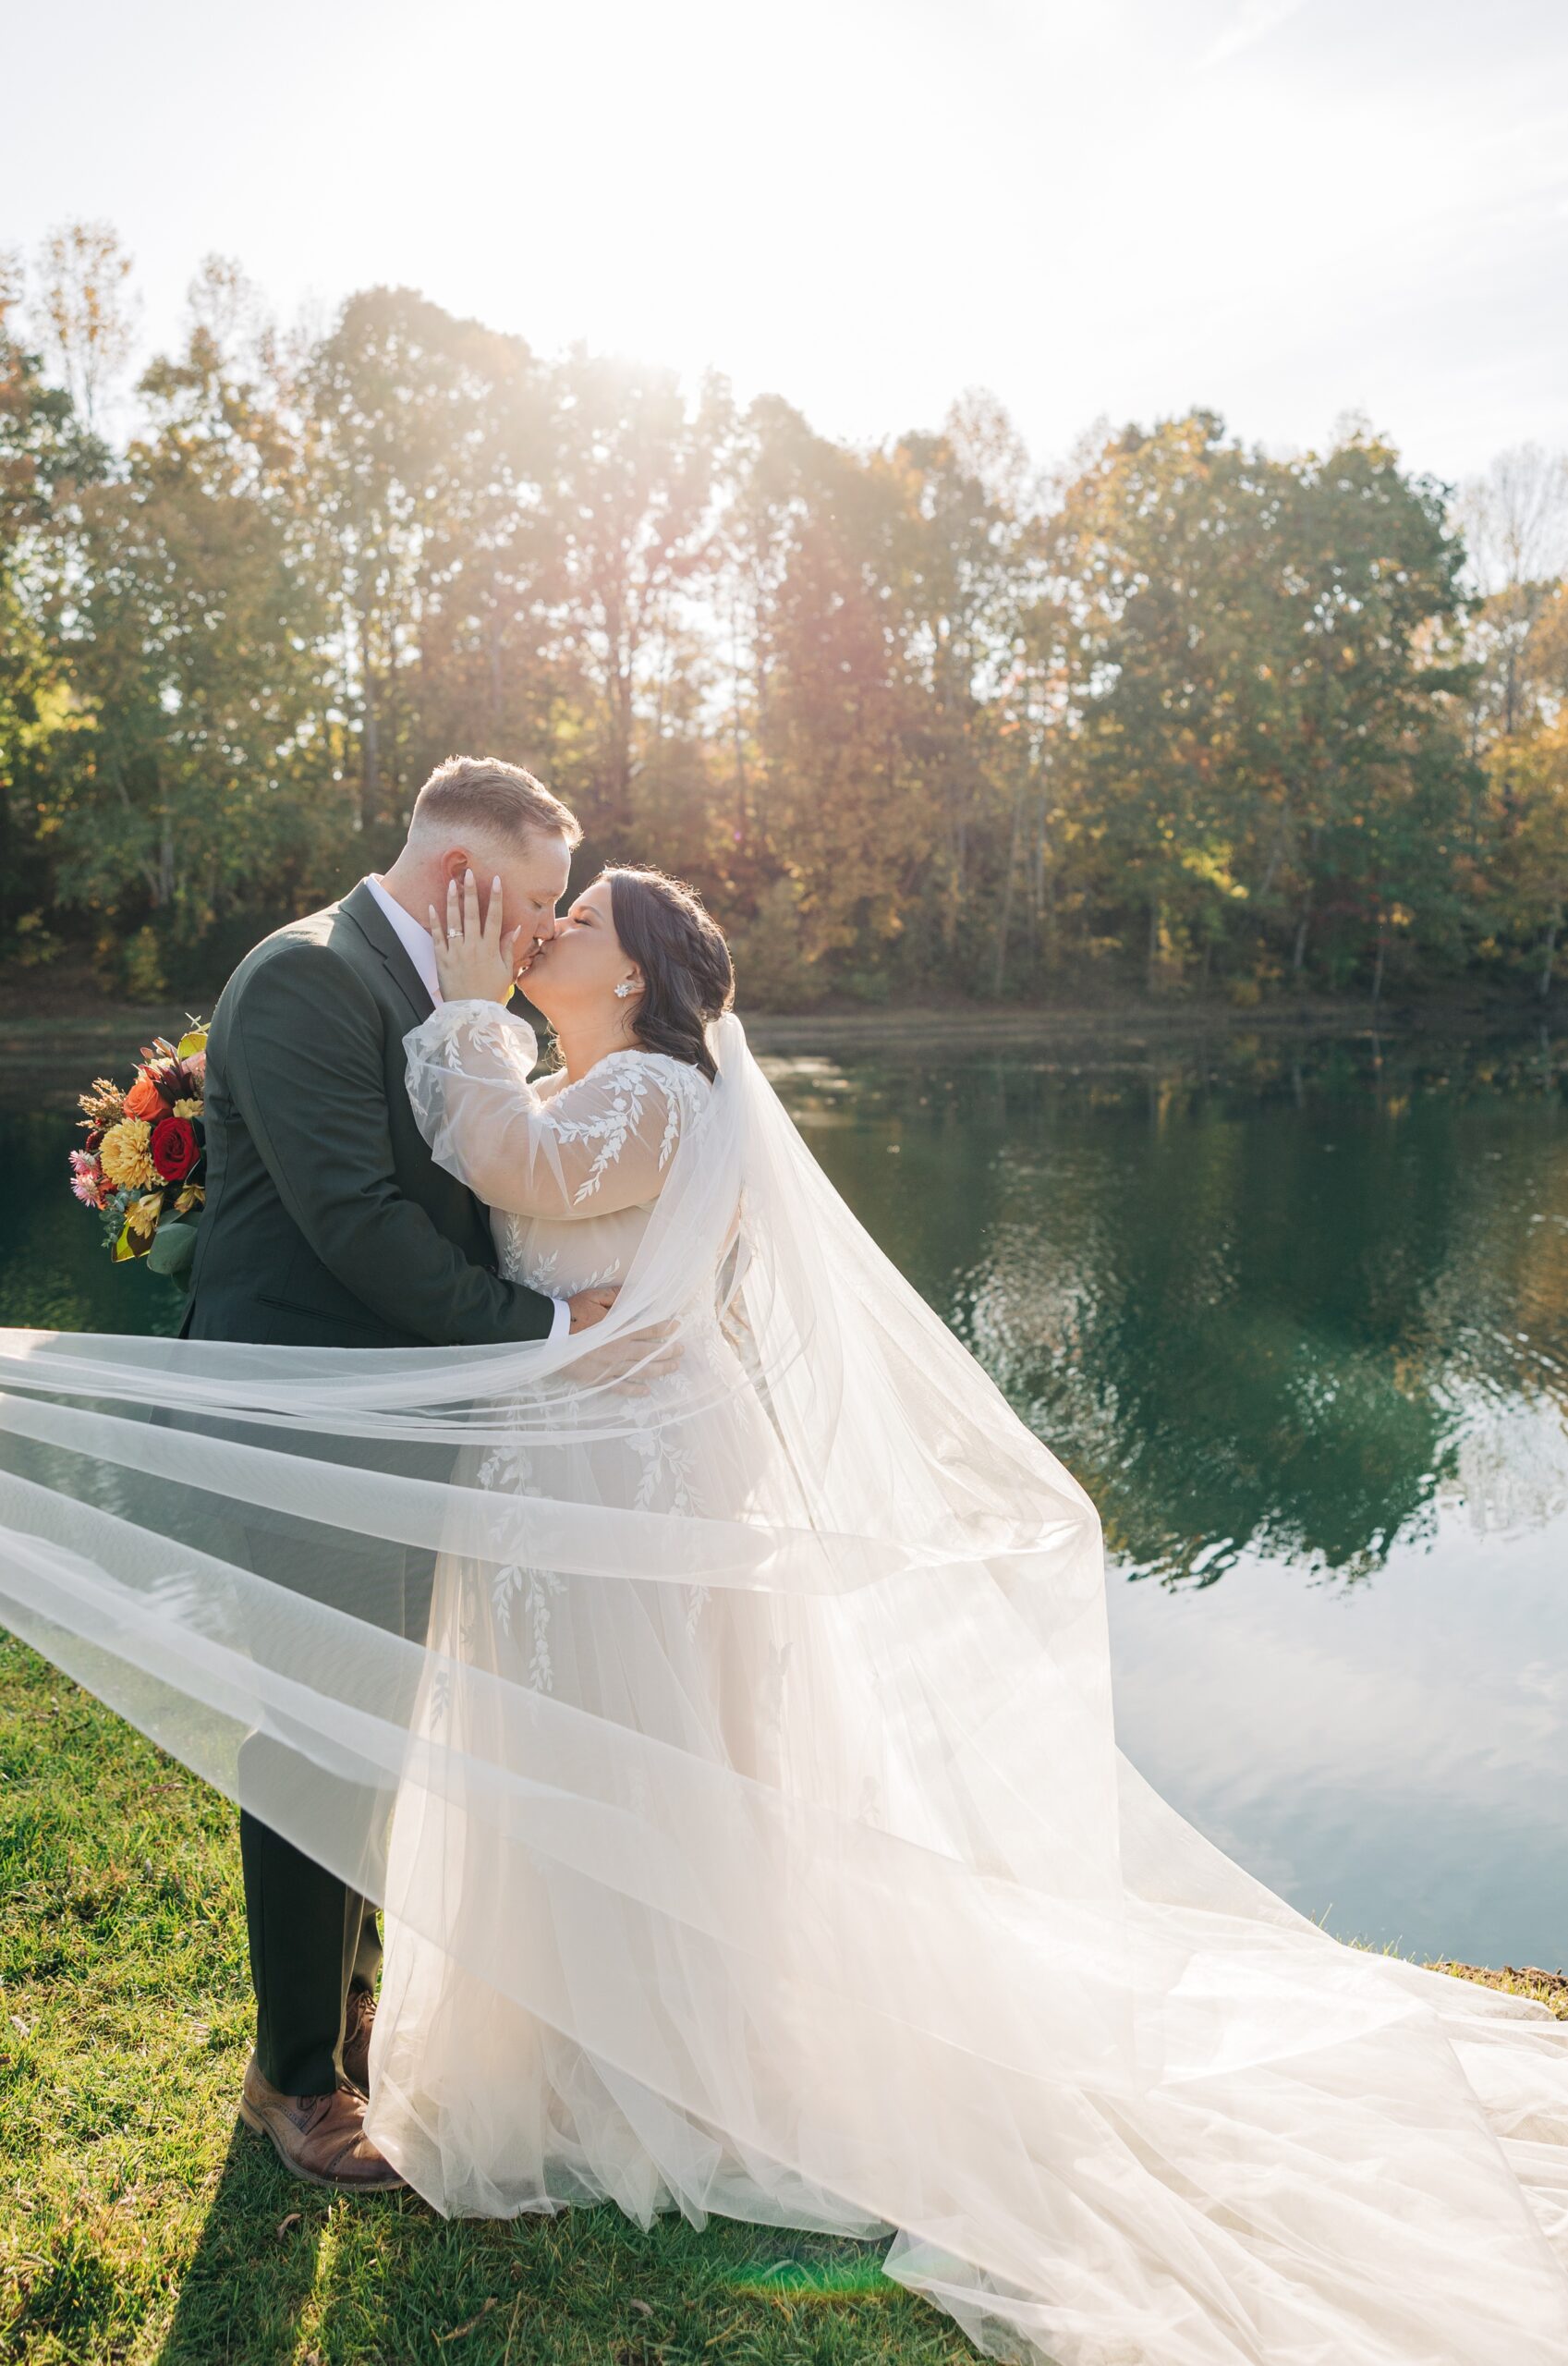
416, 940
420, 945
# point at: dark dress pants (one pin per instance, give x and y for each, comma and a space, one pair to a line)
312, 1938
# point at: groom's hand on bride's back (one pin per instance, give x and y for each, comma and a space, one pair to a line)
633, 1360
589, 1306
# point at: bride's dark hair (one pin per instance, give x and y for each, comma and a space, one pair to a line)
687, 975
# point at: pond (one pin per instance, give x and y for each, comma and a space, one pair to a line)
1296, 1312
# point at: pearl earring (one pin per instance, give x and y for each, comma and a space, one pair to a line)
625, 988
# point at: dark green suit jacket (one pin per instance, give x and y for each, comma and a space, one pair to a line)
327, 1222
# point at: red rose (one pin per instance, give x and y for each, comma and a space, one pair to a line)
173, 1148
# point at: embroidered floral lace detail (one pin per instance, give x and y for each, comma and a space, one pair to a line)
665, 1451
599, 1144
541, 1270
612, 1126
521, 1585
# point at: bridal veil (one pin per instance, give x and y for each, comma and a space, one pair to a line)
748, 1656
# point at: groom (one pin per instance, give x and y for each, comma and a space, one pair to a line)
328, 1223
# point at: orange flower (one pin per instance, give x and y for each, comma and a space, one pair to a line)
144, 1100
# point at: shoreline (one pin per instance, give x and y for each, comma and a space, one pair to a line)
46, 1061
84, 1028
1548, 1988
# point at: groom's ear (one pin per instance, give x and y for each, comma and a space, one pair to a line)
454, 862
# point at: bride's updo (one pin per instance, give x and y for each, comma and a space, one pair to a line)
688, 978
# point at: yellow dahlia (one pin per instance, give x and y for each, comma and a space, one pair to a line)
123, 1155
188, 1109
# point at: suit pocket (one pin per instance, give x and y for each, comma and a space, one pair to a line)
304, 1286
345, 1313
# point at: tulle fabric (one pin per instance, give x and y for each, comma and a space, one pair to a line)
730, 1740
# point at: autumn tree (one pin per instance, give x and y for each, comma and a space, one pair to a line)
916, 717
86, 312
632, 504
198, 759
1264, 707
1513, 521
42, 449
842, 813
429, 444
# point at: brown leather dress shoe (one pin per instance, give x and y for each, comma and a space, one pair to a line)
321, 2137
358, 2021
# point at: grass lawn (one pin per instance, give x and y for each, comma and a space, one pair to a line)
139, 2221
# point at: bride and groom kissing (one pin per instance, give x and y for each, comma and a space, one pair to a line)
679, 1636
330, 1223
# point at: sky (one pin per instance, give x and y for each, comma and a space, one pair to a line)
1284, 210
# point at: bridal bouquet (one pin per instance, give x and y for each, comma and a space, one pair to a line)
144, 1164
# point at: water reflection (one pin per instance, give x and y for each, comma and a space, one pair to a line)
1291, 1311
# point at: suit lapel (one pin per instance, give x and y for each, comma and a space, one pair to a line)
361, 908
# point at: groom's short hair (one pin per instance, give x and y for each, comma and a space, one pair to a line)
480, 793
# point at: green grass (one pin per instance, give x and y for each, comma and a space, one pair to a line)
140, 2222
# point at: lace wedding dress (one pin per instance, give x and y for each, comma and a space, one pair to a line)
749, 1820
485, 2108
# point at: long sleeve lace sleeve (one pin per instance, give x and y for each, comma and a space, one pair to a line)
580, 1150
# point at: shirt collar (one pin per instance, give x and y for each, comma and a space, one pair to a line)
416, 941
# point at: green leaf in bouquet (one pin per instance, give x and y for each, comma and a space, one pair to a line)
174, 1245
131, 1244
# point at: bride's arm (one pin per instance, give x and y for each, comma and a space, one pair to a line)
547, 1086
583, 1150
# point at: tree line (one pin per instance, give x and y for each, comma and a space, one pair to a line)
924, 719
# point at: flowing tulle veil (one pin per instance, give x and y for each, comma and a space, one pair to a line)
804, 1821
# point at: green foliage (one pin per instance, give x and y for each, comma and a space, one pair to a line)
141, 971
773, 971
916, 723
1267, 749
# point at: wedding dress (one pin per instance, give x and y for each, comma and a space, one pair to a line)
749, 1820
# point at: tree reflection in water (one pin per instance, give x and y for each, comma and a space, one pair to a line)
1290, 1298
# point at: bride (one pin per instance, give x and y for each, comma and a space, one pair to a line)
749, 1823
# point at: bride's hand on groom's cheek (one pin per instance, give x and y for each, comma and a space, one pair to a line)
473, 960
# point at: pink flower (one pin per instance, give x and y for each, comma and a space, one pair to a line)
87, 1180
